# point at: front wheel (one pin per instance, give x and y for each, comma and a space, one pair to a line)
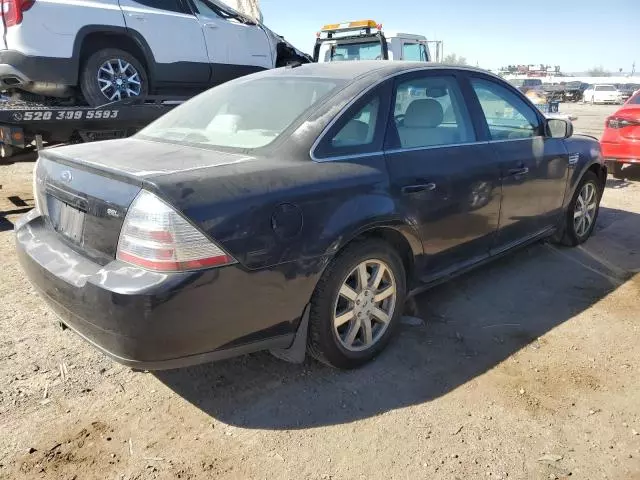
110, 75
582, 213
357, 304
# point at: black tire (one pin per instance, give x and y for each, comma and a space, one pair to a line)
569, 237
322, 341
88, 76
616, 170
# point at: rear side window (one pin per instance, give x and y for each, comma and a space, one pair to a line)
169, 5
508, 116
429, 111
360, 129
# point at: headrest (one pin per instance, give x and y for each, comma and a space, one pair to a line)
424, 113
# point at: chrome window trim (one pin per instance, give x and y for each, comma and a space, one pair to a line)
376, 84
433, 147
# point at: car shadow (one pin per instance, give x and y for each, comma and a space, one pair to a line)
469, 325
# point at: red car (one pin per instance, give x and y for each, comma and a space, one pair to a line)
621, 139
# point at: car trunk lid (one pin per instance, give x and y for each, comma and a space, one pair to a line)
84, 191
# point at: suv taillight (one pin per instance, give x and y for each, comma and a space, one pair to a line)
12, 11
156, 237
613, 122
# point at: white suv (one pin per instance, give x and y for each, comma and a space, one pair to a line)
113, 49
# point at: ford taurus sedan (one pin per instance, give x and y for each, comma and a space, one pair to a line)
296, 209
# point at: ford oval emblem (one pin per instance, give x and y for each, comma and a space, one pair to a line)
66, 176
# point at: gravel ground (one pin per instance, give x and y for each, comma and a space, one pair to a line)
527, 368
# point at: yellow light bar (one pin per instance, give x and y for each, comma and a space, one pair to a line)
349, 25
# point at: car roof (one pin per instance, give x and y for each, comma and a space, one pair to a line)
362, 68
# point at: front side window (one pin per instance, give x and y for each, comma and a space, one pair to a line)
243, 114
429, 111
413, 52
343, 52
168, 5
507, 115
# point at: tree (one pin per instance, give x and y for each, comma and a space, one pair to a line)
599, 72
453, 59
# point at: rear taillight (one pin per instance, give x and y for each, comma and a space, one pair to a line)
614, 122
12, 11
156, 237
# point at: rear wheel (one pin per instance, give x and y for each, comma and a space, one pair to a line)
357, 304
112, 74
581, 216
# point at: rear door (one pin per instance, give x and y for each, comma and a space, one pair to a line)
445, 178
533, 167
174, 36
236, 46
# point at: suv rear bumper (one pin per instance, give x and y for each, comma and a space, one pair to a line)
18, 70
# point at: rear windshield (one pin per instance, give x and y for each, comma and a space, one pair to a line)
242, 114
605, 88
342, 52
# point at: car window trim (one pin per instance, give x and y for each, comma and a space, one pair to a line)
462, 71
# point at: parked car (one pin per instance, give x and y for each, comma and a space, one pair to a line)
621, 138
601, 94
299, 206
115, 49
627, 90
527, 84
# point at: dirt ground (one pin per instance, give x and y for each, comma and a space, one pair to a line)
527, 368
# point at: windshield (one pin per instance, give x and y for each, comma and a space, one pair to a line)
354, 51
245, 113
605, 88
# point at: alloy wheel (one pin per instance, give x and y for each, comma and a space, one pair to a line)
365, 305
119, 79
585, 209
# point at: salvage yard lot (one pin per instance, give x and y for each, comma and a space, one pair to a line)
526, 368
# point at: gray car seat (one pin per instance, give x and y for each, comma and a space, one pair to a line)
422, 125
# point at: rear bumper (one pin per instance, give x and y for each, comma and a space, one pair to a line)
18, 70
151, 320
628, 152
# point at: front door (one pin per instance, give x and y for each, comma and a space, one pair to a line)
235, 47
446, 181
533, 167
174, 37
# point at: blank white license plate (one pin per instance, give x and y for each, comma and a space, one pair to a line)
70, 221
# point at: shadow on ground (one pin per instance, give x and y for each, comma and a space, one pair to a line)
471, 324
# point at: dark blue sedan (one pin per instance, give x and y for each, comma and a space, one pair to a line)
296, 209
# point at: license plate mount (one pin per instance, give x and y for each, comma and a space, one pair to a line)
67, 220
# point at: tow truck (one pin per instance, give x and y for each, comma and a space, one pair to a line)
366, 40
26, 125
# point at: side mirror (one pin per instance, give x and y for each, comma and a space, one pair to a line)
558, 128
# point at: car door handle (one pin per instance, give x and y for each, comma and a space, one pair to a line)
137, 16
518, 172
424, 187
211, 25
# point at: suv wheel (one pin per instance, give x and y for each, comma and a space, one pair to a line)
357, 304
110, 75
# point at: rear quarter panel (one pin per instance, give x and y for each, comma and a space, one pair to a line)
326, 204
